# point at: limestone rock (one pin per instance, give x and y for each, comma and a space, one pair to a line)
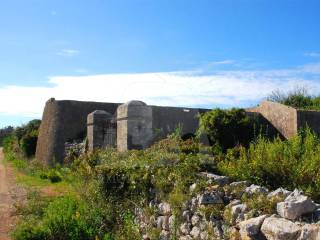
193, 187
221, 180
255, 189
236, 189
295, 205
185, 228
186, 215
195, 220
279, 193
310, 232
164, 208
163, 222
164, 235
209, 198
251, 228
237, 213
204, 235
195, 232
234, 202
275, 228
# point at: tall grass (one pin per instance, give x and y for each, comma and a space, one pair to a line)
293, 163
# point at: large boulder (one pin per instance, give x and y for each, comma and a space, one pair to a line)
237, 213
209, 198
255, 189
250, 229
295, 205
275, 228
280, 193
310, 232
211, 177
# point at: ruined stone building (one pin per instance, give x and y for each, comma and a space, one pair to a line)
133, 125
136, 125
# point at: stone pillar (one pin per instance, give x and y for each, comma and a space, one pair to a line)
96, 123
134, 126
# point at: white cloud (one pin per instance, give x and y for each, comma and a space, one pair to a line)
312, 54
68, 52
222, 88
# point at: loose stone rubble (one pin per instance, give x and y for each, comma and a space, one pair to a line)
219, 212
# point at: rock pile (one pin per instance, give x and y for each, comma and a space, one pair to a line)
221, 212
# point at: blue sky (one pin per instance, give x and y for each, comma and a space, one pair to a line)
170, 52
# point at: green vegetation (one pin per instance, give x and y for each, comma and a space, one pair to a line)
297, 98
103, 189
5, 132
291, 163
23, 140
65, 217
228, 128
108, 187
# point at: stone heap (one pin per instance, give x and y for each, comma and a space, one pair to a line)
295, 217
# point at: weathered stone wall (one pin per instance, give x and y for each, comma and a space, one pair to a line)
63, 121
310, 119
97, 123
167, 119
224, 210
140, 125
282, 117
134, 126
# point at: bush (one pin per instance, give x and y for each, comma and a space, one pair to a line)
297, 98
227, 128
26, 136
5, 132
65, 218
28, 143
292, 163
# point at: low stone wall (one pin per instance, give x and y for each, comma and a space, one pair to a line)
221, 213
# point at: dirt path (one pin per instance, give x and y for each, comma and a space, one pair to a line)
10, 193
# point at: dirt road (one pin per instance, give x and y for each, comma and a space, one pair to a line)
10, 193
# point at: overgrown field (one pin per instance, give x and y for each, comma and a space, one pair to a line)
99, 192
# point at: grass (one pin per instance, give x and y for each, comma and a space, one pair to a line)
105, 187
29, 174
292, 163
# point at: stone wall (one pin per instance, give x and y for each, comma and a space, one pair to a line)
287, 120
225, 210
63, 121
167, 119
140, 125
310, 119
282, 117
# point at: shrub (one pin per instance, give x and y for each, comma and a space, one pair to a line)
297, 98
292, 163
28, 143
5, 132
26, 137
227, 128
64, 218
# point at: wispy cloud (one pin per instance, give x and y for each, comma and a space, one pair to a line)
190, 89
68, 52
312, 54
223, 62
53, 13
